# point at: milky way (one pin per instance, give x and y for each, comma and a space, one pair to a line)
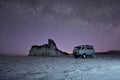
24, 23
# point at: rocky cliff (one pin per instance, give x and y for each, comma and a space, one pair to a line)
49, 49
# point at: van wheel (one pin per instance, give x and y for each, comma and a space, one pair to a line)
92, 56
75, 56
84, 56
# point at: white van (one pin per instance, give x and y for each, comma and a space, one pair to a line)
84, 50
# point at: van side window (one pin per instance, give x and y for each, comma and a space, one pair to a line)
78, 48
89, 48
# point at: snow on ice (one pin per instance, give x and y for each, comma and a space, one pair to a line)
59, 68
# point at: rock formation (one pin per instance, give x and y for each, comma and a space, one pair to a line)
49, 49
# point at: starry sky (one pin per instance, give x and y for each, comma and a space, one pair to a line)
24, 23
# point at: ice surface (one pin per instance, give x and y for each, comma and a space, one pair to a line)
59, 68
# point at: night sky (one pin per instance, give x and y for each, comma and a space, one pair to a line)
24, 23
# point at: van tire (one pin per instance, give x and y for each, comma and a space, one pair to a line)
84, 55
75, 56
92, 56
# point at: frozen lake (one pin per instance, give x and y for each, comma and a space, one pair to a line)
103, 67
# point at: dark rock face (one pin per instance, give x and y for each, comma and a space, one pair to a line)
49, 49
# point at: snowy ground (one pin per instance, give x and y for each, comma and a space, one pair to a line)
103, 67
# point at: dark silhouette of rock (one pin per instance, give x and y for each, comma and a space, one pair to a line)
49, 49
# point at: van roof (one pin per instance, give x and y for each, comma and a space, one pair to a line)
83, 46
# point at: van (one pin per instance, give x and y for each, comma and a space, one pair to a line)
84, 50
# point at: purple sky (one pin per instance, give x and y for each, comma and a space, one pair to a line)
24, 23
